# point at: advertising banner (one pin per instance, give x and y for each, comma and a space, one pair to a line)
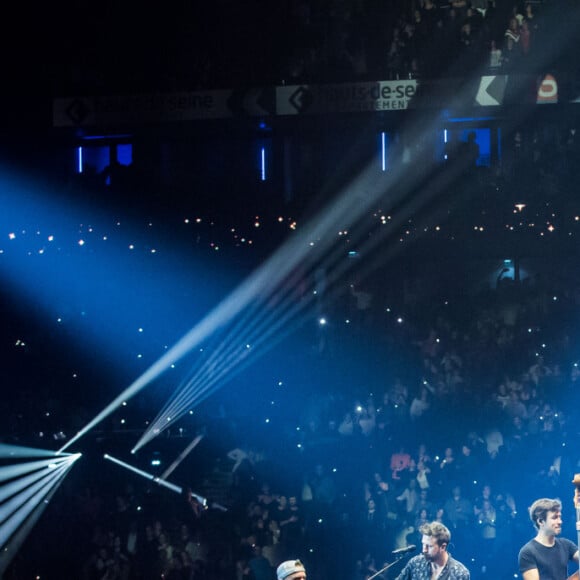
145, 108
345, 97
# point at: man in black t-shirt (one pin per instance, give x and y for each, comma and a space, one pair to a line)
546, 557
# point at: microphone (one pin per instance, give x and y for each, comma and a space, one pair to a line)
409, 548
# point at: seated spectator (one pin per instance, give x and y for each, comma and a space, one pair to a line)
424, 503
259, 565
372, 525
423, 455
458, 510
409, 498
266, 498
447, 468
399, 463
495, 56
511, 47
422, 476
292, 529
420, 404
525, 38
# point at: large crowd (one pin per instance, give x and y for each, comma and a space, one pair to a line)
464, 412
440, 397
226, 45
357, 40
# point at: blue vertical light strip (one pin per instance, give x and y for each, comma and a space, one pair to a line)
383, 151
79, 159
263, 164
445, 141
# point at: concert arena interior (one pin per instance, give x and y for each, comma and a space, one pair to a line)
286, 281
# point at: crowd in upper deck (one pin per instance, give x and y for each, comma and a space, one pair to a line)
230, 45
358, 40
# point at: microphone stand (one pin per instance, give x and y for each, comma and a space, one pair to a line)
399, 557
576, 482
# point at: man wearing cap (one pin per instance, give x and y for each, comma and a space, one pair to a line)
435, 562
291, 570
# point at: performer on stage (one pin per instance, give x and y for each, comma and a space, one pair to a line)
546, 557
291, 570
435, 562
